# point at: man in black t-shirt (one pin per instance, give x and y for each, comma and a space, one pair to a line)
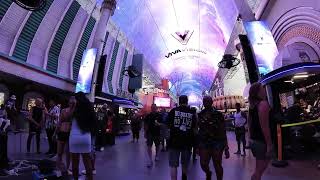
182, 124
212, 139
152, 133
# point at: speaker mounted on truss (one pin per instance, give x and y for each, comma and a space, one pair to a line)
31, 5
132, 72
228, 61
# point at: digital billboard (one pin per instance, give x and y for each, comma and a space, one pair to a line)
263, 45
162, 102
86, 71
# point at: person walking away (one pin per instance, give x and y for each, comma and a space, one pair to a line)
260, 136
182, 124
212, 139
152, 133
80, 135
110, 128
101, 124
164, 129
35, 122
240, 120
135, 127
63, 132
52, 118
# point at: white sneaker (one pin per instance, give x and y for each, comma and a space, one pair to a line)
58, 173
317, 135
84, 172
102, 149
69, 172
319, 166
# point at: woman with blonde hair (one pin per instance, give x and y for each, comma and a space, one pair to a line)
260, 136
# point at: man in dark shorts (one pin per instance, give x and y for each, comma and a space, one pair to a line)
152, 133
212, 139
182, 124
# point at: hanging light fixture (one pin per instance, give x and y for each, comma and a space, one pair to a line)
228, 61
31, 5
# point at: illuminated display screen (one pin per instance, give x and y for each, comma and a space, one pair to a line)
162, 102
86, 71
182, 39
263, 45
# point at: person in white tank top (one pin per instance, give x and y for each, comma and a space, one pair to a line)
240, 120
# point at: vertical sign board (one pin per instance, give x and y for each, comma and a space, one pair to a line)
85, 76
263, 45
137, 62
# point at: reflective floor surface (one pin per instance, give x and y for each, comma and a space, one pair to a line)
126, 161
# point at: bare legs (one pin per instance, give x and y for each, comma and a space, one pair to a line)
61, 148
173, 173
87, 164
205, 157
261, 166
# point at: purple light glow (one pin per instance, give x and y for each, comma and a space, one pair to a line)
149, 24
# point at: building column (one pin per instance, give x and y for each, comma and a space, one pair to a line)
107, 9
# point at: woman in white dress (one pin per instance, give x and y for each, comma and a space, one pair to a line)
80, 135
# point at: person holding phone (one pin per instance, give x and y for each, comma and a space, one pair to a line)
212, 139
35, 123
259, 129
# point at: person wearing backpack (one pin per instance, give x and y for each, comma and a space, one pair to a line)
212, 139
240, 120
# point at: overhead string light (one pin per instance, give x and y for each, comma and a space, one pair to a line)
155, 22
199, 28
175, 13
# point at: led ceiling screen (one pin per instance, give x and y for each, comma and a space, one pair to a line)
183, 39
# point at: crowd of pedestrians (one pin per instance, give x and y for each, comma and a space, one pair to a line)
78, 130
186, 133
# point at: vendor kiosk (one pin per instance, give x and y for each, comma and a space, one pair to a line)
289, 80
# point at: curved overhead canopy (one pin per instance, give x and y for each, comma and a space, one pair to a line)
184, 37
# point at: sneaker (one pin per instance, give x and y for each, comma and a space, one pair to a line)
208, 175
149, 164
319, 166
184, 177
157, 158
238, 152
58, 173
69, 172
3, 173
317, 135
244, 154
84, 172
102, 149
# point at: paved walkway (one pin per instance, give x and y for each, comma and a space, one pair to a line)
126, 161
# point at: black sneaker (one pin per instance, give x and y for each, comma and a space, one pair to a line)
184, 177
208, 175
3, 173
